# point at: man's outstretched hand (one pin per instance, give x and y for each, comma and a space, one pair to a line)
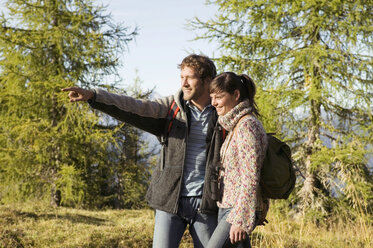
77, 94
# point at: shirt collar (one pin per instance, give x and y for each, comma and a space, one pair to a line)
192, 106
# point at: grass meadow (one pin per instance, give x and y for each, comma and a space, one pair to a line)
37, 225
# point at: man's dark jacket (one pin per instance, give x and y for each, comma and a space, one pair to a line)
151, 116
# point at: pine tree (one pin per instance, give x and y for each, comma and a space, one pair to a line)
47, 144
312, 62
134, 159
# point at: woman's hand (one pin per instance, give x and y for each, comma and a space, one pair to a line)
237, 234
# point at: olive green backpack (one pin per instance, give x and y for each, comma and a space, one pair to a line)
277, 179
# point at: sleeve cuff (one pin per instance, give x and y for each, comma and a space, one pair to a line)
92, 101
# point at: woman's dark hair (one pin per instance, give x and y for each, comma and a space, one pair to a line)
230, 81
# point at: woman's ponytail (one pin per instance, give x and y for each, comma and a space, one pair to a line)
249, 85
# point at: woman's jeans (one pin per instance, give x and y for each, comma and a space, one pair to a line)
169, 228
220, 237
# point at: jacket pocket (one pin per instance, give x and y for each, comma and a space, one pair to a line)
164, 187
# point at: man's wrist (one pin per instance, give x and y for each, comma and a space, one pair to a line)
92, 100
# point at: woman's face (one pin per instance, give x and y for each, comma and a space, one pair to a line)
223, 101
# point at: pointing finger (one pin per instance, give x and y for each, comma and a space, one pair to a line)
73, 88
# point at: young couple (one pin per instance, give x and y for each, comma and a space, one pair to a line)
182, 189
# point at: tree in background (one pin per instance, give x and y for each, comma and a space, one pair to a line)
312, 62
47, 144
133, 158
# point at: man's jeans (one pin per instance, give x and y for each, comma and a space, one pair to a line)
169, 228
220, 238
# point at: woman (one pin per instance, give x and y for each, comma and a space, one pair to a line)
242, 155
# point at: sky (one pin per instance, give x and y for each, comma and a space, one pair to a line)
163, 40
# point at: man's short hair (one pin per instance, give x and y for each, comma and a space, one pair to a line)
203, 65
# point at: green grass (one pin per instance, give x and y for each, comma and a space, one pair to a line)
35, 225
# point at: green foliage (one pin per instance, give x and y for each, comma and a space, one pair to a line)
71, 185
312, 62
48, 144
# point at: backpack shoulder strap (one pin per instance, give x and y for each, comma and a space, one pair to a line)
224, 133
171, 115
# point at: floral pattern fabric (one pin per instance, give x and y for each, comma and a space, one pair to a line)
242, 159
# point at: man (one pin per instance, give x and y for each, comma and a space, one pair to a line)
181, 188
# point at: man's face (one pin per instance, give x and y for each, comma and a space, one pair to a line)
191, 84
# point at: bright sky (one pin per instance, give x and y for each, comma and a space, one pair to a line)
163, 40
